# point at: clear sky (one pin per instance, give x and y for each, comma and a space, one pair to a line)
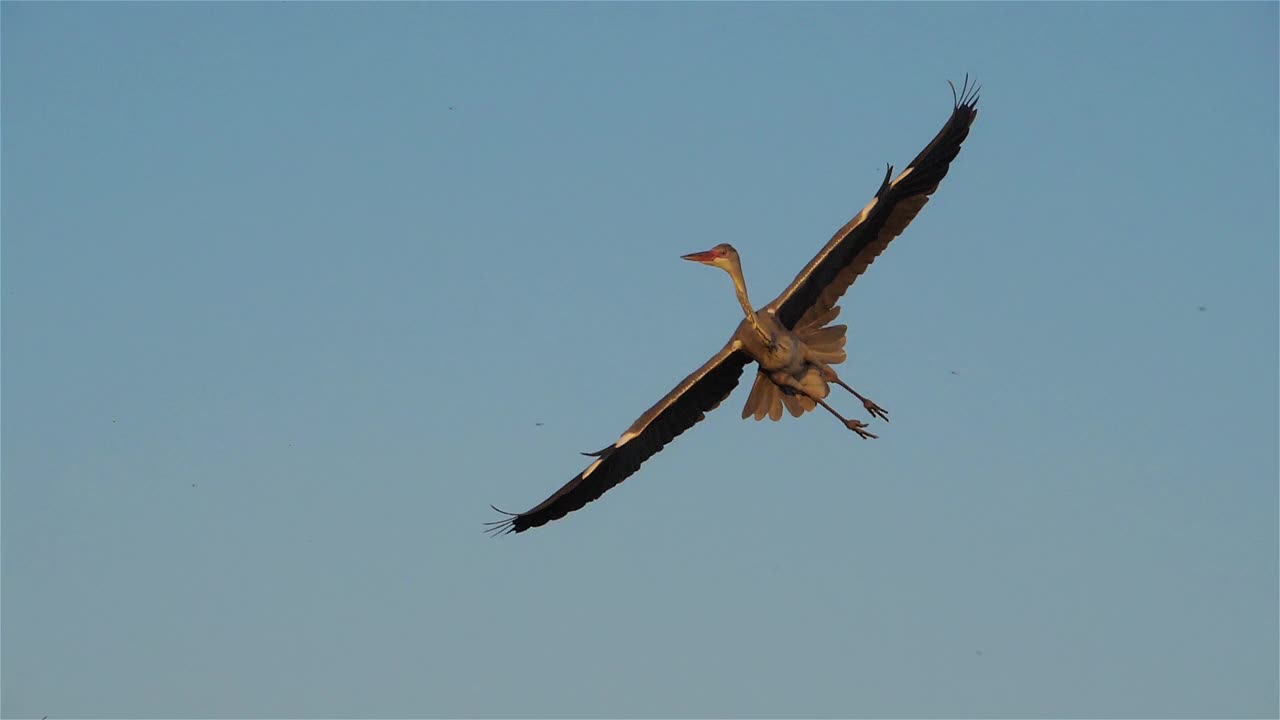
292, 292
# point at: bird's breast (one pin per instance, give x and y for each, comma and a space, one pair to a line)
786, 353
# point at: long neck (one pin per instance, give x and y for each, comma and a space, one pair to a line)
740, 287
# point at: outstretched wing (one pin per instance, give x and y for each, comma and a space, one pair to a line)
688, 403
828, 275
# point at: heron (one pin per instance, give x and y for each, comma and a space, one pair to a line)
791, 340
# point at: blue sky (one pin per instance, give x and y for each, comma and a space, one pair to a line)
292, 292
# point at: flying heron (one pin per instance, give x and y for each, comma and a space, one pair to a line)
791, 339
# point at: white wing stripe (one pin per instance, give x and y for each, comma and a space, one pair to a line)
591, 468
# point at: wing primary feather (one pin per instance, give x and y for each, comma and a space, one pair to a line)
501, 527
884, 185
598, 453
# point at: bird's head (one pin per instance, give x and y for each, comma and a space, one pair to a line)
722, 256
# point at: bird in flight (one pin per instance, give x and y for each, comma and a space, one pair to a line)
791, 340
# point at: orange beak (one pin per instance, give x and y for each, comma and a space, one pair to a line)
702, 257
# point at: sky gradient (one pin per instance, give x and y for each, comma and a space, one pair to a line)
292, 292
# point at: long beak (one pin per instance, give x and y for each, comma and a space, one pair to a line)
703, 257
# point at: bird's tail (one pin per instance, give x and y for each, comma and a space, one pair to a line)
765, 399
768, 400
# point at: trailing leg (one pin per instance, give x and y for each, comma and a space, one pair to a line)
876, 411
787, 382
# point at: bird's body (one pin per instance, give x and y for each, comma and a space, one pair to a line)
805, 359
791, 340
783, 351
793, 366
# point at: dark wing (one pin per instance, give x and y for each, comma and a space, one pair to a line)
821, 283
688, 403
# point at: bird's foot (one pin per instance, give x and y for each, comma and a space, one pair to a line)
857, 426
875, 410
